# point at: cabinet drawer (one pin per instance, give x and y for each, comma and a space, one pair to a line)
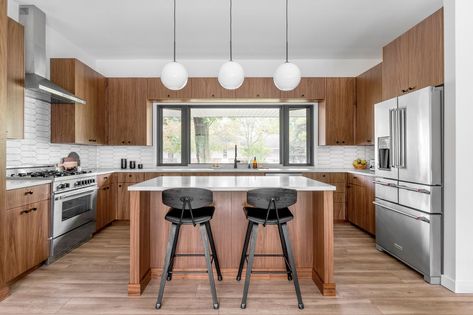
341, 187
149, 176
104, 180
131, 177
322, 177
24, 196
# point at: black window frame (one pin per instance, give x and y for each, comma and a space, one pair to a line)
284, 110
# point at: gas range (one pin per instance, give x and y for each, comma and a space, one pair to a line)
63, 180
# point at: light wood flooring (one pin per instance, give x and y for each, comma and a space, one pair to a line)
93, 280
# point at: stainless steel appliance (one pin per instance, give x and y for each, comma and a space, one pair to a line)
73, 206
409, 179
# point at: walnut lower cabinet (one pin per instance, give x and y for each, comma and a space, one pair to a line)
26, 234
360, 207
106, 210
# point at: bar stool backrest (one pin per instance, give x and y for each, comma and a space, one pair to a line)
195, 197
271, 199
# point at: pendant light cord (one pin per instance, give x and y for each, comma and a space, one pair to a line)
231, 31
174, 53
287, 32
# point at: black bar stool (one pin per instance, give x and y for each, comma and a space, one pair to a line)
269, 206
189, 206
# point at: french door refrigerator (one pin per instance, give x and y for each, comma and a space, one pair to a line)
409, 179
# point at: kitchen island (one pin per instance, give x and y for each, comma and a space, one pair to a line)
311, 231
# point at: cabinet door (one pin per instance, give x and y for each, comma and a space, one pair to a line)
130, 115
309, 89
15, 81
37, 234
258, 88
396, 67
426, 52
157, 91
208, 88
336, 113
111, 213
27, 232
368, 93
123, 201
102, 207
101, 120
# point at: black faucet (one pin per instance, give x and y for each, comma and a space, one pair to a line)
235, 161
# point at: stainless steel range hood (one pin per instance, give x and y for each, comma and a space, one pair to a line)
36, 84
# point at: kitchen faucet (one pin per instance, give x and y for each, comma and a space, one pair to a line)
235, 161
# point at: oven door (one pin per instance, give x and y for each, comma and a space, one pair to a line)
73, 209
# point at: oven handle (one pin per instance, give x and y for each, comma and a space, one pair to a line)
81, 194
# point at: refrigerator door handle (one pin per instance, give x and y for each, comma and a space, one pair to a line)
392, 135
423, 191
402, 137
384, 184
423, 219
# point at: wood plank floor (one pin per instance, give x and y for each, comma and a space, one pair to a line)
93, 280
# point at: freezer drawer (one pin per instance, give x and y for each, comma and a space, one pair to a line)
411, 236
420, 197
386, 189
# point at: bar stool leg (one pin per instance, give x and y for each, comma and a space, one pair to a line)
167, 260
293, 265
214, 250
205, 240
245, 249
284, 251
173, 253
249, 267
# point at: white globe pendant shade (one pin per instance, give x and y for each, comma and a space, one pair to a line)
287, 77
174, 76
231, 75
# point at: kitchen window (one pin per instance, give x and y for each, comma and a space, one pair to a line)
207, 134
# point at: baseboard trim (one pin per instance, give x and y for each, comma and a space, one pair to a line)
457, 286
4, 293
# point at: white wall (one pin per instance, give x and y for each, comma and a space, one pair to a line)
57, 46
458, 240
253, 68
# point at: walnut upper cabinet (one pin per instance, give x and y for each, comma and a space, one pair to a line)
15, 80
368, 93
129, 112
309, 89
258, 88
77, 123
415, 59
336, 112
209, 88
157, 91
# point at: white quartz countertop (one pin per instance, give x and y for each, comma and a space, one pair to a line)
18, 183
190, 169
232, 183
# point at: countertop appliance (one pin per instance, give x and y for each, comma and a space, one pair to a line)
409, 179
73, 206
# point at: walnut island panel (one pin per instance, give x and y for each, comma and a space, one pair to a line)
311, 231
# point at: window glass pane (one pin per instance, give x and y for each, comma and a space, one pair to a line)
298, 136
215, 131
172, 136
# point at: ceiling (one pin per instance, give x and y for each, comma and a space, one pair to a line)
319, 29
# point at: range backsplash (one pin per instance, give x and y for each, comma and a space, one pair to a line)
36, 148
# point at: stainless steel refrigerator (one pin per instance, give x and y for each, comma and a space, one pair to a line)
409, 179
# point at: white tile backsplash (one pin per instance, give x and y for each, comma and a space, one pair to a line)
36, 148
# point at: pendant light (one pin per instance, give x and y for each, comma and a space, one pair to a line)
174, 75
231, 74
288, 75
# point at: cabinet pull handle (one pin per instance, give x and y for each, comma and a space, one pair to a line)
28, 211
29, 192
412, 88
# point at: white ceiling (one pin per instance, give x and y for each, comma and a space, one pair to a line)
319, 29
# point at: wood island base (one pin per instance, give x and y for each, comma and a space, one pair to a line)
311, 234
